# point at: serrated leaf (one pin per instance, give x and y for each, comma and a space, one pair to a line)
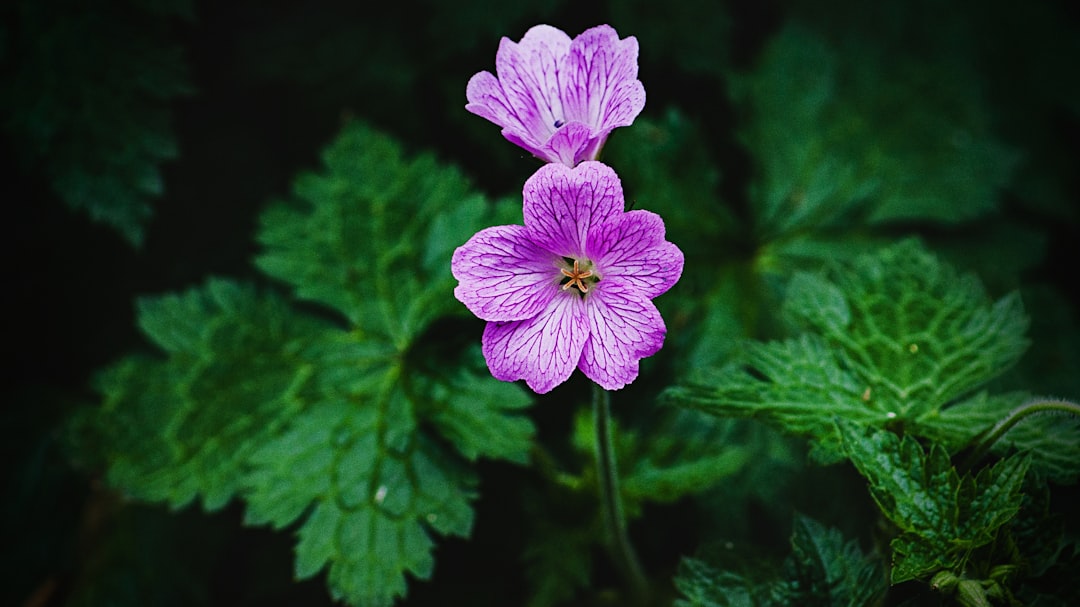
918, 334
833, 145
361, 432
478, 415
893, 337
942, 516
824, 569
183, 427
373, 500
360, 238
797, 384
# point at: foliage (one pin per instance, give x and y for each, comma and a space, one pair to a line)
823, 569
943, 517
876, 325
340, 427
893, 339
88, 103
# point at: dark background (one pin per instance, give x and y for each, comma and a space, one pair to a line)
272, 82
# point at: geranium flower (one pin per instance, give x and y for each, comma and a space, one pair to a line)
560, 98
573, 287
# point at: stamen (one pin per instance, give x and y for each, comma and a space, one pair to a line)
576, 276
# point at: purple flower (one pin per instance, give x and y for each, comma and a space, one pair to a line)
560, 98
573, 286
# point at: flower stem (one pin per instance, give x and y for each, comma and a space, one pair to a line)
622, 551
1042, 405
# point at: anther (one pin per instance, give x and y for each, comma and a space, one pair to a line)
577, 276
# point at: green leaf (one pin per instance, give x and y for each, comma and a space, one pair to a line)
1050, 439
361, 433
892, 338
478, 415
683, 453
942, 516
837, 143
823, 570
373, 503
826, 570
797, 384
88, 103
917, 333
702, 585
372, 235
174, 429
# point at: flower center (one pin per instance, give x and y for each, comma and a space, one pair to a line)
577, 276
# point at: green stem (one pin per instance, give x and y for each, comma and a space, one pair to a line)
622, 551
1014, 417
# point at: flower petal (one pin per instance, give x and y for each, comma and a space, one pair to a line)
631, 249
488, 100
503, 275
562, 204
543, 350
604, 91
531, 75
569, 144
624, 327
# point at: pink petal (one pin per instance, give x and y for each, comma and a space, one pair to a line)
562, 204
631, 250
569, 144
604, 91
543, 350
503, 275
488, 100
531, 74
623, 328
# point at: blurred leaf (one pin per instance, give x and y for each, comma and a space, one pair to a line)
942, 516
823, 570
694, 35
560, 546
88, 100
849, 135
701, 585
666, 167
682, 453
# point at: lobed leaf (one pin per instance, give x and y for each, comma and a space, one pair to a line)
893, 338
364, 238
176, 428
942, 516
361, 433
